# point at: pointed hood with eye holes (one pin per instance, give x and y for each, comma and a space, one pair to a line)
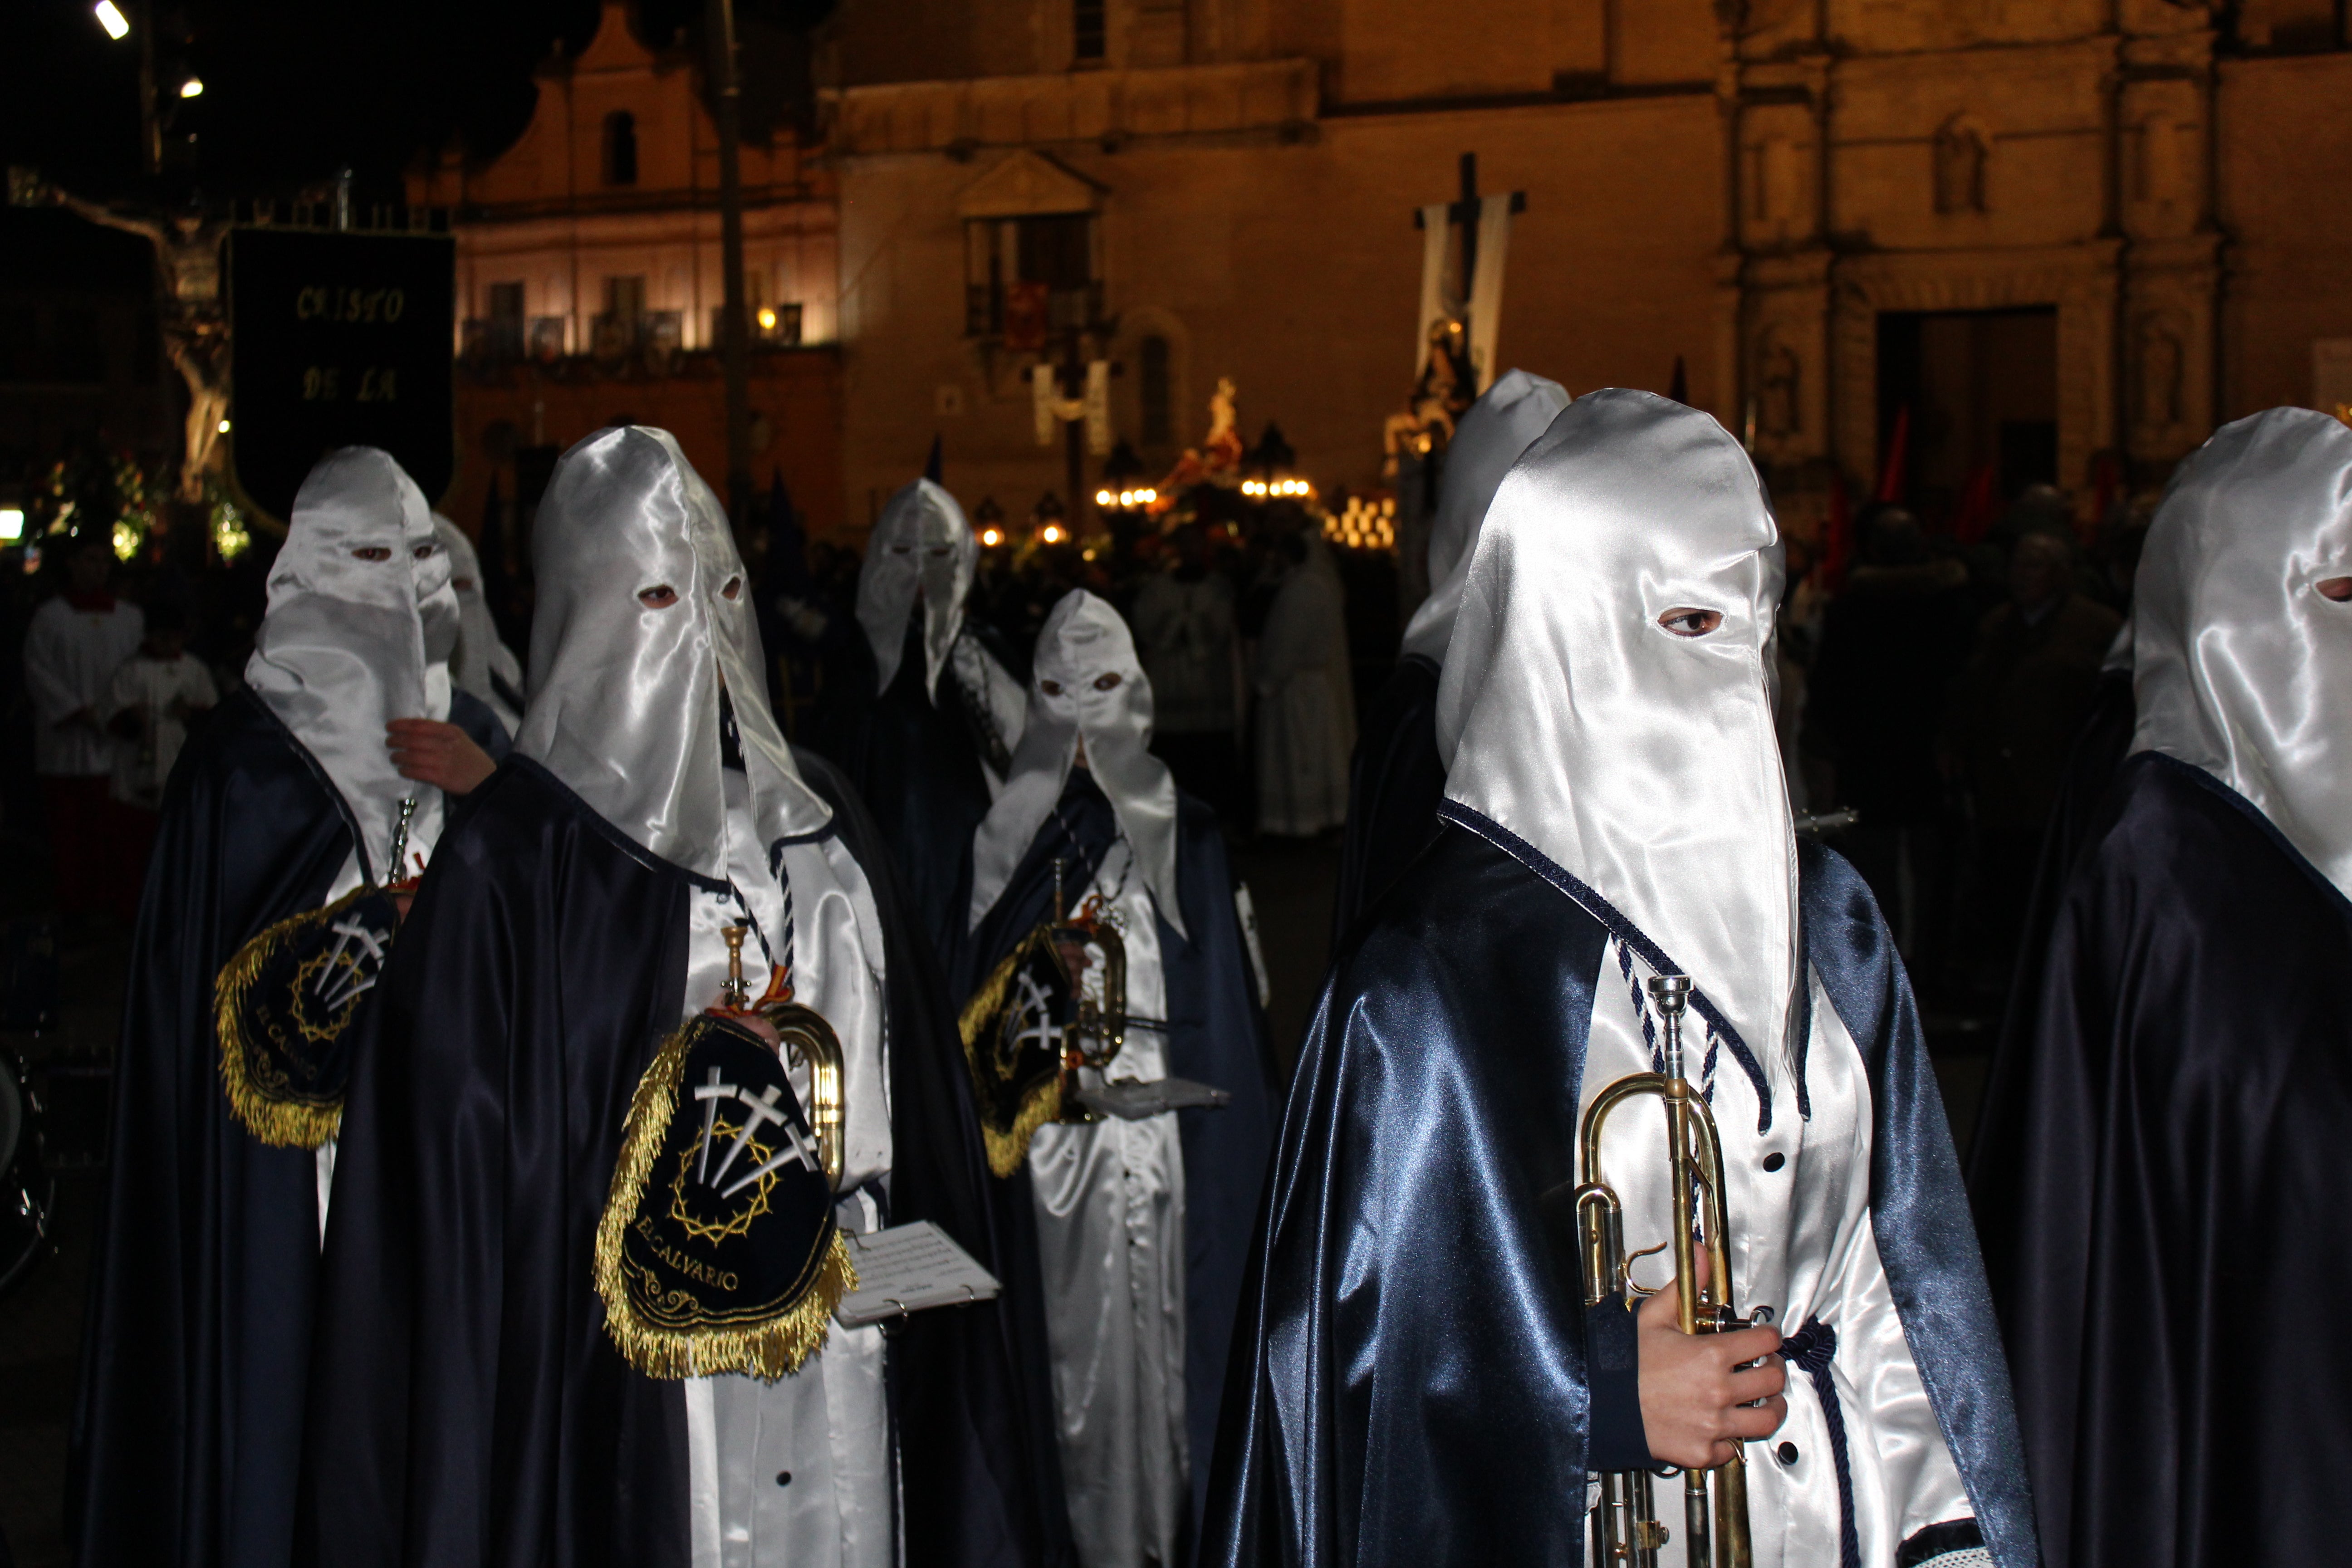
1643, 762
1503, 423
358, 633
922, 541
624, 697
2240, 666
1084, 642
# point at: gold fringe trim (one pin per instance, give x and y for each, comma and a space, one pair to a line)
265, 1107
1006, 1149
768, 1349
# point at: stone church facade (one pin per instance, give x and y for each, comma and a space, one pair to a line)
2068, 236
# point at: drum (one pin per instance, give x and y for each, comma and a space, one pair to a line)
28, 1192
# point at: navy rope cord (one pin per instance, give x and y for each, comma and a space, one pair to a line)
784, 881
1811, 1348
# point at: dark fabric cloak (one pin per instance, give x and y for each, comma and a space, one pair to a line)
2099, 751
467, 1407
915, 760
1415, 1389
2160, 1190
188, 1421
1216, 1036
1395, 783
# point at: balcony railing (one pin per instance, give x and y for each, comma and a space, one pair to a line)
648, 343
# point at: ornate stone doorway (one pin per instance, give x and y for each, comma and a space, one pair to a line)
1975, 391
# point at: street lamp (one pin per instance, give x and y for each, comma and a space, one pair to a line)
118, 28
192, 88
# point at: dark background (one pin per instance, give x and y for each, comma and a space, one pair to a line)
295, 92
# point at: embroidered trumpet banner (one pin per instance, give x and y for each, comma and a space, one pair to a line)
283, 1009
718, 1251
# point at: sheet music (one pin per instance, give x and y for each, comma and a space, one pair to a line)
1132, 1101
908, 1268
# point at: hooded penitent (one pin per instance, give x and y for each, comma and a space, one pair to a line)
921, 545
188, 1428
359, 631
482, 664
514, 1119
2240, 667
1571, 712
1614, 810
1396, 777
919, 707
1088, 687
1141, 1225
2163, 1115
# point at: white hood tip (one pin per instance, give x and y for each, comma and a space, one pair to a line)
1501, 425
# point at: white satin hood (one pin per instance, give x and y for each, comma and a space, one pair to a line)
1083, 640
2240, 666
478, 652
625, 697
1503, 423
922, 541
349, 644
1643, 762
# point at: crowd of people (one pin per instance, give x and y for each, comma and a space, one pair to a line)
538, 1072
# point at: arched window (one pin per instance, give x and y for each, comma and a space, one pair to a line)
620, 148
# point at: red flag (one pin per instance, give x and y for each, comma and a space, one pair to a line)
1837, 548
1980, 504
1890, 473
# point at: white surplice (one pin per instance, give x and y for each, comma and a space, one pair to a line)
1110, 1240
1801, 1245
797, 1473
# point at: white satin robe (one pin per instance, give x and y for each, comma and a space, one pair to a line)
1110, 1240
826, 1428
1800, 1244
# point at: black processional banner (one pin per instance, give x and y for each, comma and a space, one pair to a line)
339, 339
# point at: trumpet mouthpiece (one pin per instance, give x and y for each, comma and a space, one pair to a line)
1670, 992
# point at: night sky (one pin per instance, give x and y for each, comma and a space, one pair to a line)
292, 91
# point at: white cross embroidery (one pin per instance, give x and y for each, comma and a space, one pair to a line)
757, 1113
336, 984
1033, 1020
712, 1090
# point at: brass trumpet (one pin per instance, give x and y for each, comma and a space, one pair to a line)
1714, 1526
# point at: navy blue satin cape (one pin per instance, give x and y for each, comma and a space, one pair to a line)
188, 1421
1395, 781
915, 763
1216, 1036
2160, 1187
466, 1405
2074, 825
1416, 1390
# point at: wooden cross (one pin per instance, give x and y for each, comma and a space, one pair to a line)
1463, 215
